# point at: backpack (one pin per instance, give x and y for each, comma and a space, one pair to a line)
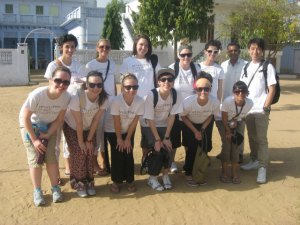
265, 64
193, 69
155, 96
154, 61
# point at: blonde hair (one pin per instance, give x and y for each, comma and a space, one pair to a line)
127, 76
98, 43
185, 44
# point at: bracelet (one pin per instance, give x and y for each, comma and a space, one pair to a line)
167, 138
157, 140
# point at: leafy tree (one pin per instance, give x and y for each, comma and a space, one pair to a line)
172, 20
112, 29
273, 20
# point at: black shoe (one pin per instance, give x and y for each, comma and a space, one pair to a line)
241, 159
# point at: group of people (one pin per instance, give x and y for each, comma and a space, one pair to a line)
175, 106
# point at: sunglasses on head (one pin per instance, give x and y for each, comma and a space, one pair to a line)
59, 81
213, 51
200, 89
104, 47
129, 87
183, 55
93, 85
169, 79
238, 92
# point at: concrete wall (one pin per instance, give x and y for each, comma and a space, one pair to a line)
14, 66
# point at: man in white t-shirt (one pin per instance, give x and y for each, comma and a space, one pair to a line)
232, 70
257, 121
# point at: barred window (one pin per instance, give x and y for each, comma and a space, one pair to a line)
39, 10
9, 8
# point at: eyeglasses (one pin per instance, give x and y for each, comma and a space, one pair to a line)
93, 85
213, 51
238, 92
104, 47
234, 51
200, 89
186, 55
169, 79
59, 81
133, 87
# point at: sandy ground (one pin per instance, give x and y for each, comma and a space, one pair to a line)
277, 202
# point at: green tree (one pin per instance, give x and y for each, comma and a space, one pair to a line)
112, 29
273, 20
171, 20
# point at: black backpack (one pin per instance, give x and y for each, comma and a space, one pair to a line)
155, 96
193, 69
154, 61
265, 64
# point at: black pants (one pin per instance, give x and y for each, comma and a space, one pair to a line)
192, 144
122, 163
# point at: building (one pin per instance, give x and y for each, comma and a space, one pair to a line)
38, 23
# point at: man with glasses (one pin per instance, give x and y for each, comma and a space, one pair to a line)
232, 71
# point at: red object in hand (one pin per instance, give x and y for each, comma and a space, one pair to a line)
40, 157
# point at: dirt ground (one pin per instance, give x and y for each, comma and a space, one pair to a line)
277, 202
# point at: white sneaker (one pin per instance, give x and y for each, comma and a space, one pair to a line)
251, 165
174, 168
38, 198
91, 189
167, 182
154, 184
56, 194
81, 190
261, 175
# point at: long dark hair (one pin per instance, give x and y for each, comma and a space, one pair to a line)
149, 53
103, 94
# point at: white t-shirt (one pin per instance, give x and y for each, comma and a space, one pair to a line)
185, 80
143, 70
126, 112
109, 83
197, 113
163, 109
217, 74
44, 110
87, 112
232, 74
230, 107
257, 89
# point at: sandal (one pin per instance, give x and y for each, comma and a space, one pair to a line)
236, 180
225, 179
131, 187
114, 188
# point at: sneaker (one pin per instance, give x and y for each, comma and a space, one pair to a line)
154, 184
261, 175
56, 194
251, 165
80, 189
38, 198
174, 168
167, 182
91, 188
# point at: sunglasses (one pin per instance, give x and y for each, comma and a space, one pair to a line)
133, 87
238, 92
186, 55
200, 89
93, 85
213, 51
104, 47
59, 81
169, 79
234, 51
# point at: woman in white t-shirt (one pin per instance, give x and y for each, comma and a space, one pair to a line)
81, 121
126, 108
234, 111
67, 46
198, 111
107, 67
40, 116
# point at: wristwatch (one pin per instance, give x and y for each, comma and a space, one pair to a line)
167, 138
267, 109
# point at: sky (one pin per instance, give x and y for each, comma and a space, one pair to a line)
103, 3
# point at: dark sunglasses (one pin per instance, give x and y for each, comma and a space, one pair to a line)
213, 51
234, 51
129, 87
186, 55
93, 85
200, 89
104, 47
238, 92
59, 81
169, 79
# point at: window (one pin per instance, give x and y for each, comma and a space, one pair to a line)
53, 11
24, 9
39, 10
9, 8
